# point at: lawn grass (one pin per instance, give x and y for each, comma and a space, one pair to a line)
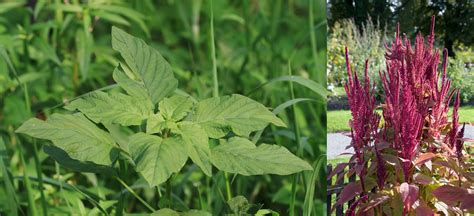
337, 120
338, 160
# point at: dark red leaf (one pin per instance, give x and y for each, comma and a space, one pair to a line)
424, 157
422, 179
391, 159
339, 168
409, 193
350, 191
468, 201
375, 201
449, 194
424, 210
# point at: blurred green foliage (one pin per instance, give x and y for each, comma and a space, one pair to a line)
361, 45
453, 23
368, 43
61, 49
462, 78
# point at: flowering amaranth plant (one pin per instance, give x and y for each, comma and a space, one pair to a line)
416, 162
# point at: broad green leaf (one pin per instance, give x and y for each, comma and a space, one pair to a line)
132, 87
165, 212
172, 110
238, 113
239, 205
170, 212
65, 160
176, 107
76, 135
197, 144
147, 63
239, 155
157, 123
112, 108
156, 158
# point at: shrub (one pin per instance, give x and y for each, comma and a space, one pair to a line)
462, 78
366, 43
416, 162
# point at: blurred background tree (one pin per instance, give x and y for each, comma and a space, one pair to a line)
454, 18
361, 25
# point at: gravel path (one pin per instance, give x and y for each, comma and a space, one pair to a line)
337, 142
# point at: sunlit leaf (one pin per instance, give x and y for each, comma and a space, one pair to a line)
238, 155
112, 108
147, 63
235, 113
76, 135
157, 158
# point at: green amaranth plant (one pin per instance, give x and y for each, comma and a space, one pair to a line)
163, 126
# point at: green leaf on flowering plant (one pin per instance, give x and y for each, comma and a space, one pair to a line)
156, 158
112, 108
175, 107
157, 123
197, 144
76, 135
165, 212
170, 212
236, 113
239, 155
132, 87
147, 63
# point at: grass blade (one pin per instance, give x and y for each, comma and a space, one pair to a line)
12, 202
278, 110
313, 86
135, 195
311, 188
29, 190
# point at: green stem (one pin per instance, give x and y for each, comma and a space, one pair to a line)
311, 32
215, 92
121, 201
60, 180
227, 186
299, 149
158, 196
293, 194
40, 177
29, 190
201, 203
135, 195
168, 193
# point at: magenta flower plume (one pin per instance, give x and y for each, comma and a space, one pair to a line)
365, 120
419, 66
460, 143
451, 138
